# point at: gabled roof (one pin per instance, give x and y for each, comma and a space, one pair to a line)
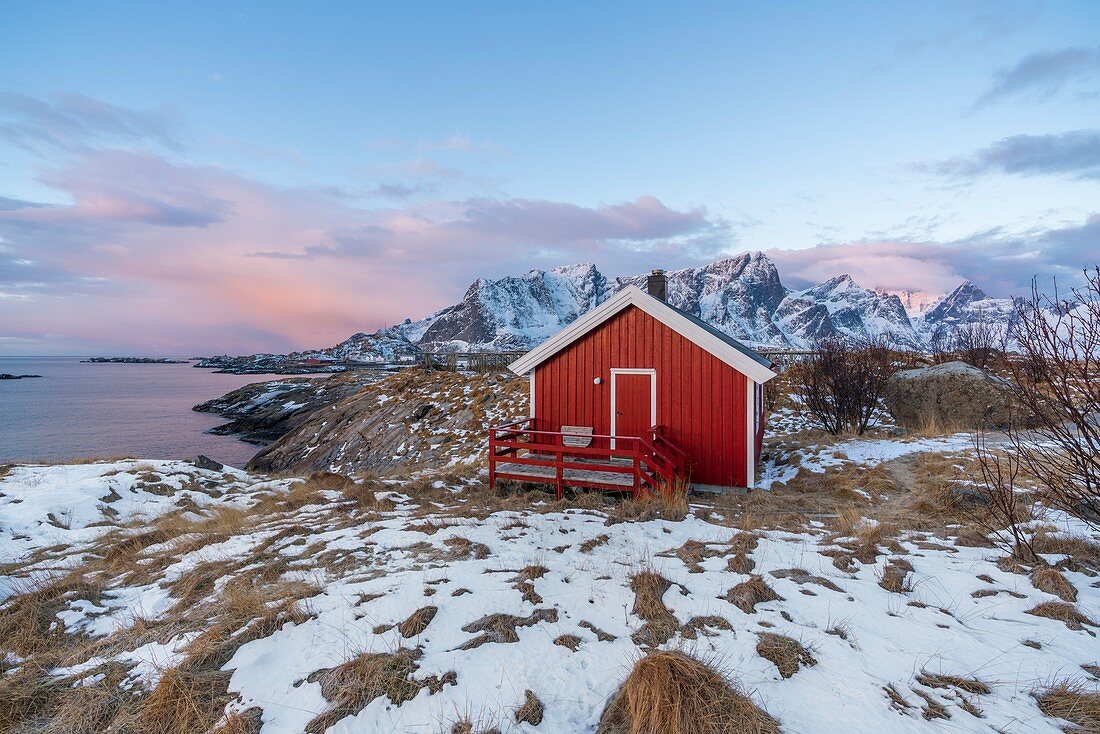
721, 345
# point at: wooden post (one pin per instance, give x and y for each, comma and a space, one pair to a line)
559, 474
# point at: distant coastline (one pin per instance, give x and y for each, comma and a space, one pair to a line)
133, 360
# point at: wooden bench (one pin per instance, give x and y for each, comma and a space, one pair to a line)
580, 442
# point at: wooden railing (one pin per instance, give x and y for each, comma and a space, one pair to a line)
648, 464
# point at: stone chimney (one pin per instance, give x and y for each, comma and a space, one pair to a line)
657, 284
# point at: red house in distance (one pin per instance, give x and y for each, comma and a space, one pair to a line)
634, 395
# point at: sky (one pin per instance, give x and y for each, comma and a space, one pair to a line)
198, 178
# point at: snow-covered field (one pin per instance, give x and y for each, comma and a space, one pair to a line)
478, 602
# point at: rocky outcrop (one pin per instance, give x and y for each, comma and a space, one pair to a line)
264, 411
949, 396
411, 419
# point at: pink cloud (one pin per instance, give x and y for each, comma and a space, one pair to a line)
890, 265
152, 252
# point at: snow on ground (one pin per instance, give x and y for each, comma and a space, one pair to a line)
43, 505
964, 615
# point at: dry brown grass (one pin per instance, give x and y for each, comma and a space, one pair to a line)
570, 642
350, 686
746, 595
600, 634
1073, 701
649, 589
958, 682
672, 693
1063, 612
417, 622
786, 653
664, 505
28, 621
592, 543
183, 703
703, 625
1082, 553
531, 710
801, 576
249, 721
89, 708
894, 577
501, 628
897, 701
30, 694
1047, 579
932, 708
742, 544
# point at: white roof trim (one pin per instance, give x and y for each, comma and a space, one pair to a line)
658, 309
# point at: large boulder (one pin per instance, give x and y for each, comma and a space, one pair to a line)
949, 396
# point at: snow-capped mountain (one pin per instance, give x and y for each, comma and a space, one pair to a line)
914, 302
839, 307
739, 295
513, 312
743, 296
967, 304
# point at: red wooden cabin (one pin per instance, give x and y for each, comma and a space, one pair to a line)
634, 395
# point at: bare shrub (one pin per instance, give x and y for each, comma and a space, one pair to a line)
1004, 508
786, 653
672, 693
842, 382
1056, 383
978, 343
941, 346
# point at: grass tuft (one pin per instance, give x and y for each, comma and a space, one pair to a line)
746, 595
1073, 701
786, 653
649, 589
531, 710
1047, 579
672, 693
1063, 612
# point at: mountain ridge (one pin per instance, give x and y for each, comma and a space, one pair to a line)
742, 295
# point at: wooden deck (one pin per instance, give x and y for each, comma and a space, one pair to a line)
541, 473
615, 463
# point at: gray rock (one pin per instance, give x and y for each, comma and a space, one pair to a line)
949, 396
205, 462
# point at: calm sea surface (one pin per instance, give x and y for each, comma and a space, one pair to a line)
93, 410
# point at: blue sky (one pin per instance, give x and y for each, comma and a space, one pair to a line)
167, 154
